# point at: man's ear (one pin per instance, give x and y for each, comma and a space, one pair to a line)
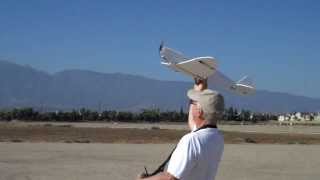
199, 112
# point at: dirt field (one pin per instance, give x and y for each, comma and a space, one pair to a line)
269, 128
70, 134
53, 161
81, 151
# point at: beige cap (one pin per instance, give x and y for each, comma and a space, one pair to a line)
211, 102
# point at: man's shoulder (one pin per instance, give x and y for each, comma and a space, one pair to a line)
196, 134
205, 134
187, 138
190, 139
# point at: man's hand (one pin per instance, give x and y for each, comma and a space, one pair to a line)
200, 84
141, 176
160, 176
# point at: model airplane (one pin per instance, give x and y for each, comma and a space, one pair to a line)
204, 68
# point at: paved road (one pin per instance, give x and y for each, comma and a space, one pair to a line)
52, 161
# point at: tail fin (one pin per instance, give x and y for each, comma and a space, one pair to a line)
161, 46
244, 86
247, 81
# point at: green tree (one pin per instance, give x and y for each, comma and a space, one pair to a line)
152, 115
125, 116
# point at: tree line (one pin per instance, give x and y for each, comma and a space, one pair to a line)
145, 115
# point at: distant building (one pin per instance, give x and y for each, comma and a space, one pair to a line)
293, 118
308, 117
287, 117
281, 118
298, 116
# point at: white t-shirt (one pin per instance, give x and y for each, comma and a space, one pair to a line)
197, 155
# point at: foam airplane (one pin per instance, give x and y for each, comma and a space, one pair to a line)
204, 68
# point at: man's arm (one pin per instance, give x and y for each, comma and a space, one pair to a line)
160, 176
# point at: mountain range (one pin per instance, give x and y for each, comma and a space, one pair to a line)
24, 86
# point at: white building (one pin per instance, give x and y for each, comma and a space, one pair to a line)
308, 117
298, 116
281, 118
293, 118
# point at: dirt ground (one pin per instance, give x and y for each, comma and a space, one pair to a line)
69, 133
268, 128
52, 161
79, 151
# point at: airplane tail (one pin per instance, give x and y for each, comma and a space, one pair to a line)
161, 46
247, 81
244, 86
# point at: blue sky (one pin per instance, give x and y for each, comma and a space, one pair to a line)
277, 43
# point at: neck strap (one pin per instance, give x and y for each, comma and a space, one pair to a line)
205, 127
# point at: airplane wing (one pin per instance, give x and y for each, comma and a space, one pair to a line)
169, 55
203, 68
200, 67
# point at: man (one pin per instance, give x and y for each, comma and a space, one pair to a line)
198, 153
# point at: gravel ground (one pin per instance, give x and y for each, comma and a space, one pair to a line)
52, 161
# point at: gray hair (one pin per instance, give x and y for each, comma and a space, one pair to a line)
213, 117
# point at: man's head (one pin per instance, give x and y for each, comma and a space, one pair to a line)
206, 106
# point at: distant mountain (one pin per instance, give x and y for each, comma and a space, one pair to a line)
22, 86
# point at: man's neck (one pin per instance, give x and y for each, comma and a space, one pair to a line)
205, 126
203, 123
